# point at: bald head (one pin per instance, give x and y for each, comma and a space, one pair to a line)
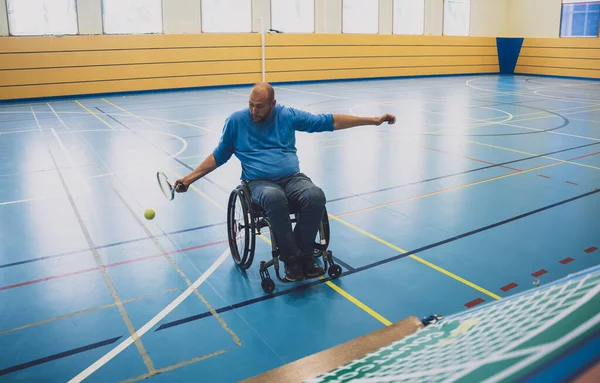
262, 101
263, 90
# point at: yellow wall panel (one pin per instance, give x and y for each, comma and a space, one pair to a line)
560, 62
362, 62
116, 57
366, 39
31, 91
559, 71
108, 42
368, 73
83, 74
375, 50
576, 53
577, 57
71, 65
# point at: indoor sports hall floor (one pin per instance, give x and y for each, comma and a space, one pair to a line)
484, 184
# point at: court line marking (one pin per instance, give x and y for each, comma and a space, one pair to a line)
152, 322
338, 215
95, 115
548, 115
532, 154
67, 153
159, 119
416, 258
25, 200
86, 311
108, 281
454, 188
184, 142
166, 254
107, 265
454, 276
519, 93
492, 123
336, 288
174, 366
384, 261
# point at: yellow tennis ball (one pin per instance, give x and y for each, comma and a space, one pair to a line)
149, 214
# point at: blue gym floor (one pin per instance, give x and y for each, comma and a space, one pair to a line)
484, 184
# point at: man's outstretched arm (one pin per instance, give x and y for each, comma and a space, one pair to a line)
344, 121
208, 165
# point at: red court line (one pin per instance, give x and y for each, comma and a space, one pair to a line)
457, 187
566, 260
510, 286
468, 158
108, 265
539, 272
474, 303
541, 175
215, 243
572, 183
49, 278
591, 249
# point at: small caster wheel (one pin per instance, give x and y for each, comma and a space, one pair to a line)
267, 285
335, 271
317, 253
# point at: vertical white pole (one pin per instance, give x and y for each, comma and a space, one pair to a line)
262, 32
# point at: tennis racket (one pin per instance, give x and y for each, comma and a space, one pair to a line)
165, 185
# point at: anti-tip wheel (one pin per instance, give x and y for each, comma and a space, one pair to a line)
267, 285
335, 271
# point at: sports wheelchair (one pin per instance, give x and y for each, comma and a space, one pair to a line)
245, 220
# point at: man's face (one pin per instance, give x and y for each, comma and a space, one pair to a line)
260, 106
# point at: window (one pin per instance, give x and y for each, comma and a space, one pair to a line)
293, 16
457, 15
360, 16
580, 18
132, 16
226, 16
409, 17
42, 17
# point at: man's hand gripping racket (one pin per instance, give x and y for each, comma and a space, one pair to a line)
169, 189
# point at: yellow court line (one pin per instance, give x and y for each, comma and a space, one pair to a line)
358, 303
450, 189
347, 295
336, 288
159, 119
95, 115
128, 112
419, 259
547, 115
533, 154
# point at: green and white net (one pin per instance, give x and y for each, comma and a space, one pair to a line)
498, 342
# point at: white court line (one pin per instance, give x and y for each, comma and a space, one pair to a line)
21, 201
185, 144
23, 131
151, 323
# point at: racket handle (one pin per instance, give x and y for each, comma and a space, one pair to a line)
179, 187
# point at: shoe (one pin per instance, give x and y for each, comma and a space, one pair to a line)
293, 269
311, 268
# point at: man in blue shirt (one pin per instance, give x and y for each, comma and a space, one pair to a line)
263, 138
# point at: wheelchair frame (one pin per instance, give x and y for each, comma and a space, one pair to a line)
252, 222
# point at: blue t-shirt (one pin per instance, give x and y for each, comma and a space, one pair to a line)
267, 150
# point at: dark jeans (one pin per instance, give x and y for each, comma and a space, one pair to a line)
277, 198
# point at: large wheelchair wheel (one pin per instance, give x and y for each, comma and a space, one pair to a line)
240, 229
322, 239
